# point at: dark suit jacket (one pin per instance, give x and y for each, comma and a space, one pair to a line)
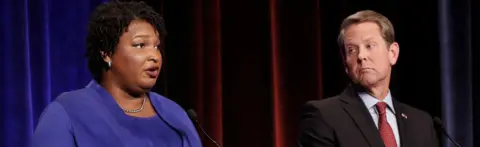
344, 121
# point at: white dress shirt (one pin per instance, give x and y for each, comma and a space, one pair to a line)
370, 103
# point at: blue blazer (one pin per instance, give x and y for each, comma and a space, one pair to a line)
91, 117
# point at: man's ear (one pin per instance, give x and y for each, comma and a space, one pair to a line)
393, 53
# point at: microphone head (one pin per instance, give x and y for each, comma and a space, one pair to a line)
191, 113
438, 121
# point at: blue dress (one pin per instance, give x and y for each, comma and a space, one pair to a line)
90, 117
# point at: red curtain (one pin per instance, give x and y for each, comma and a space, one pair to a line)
244, 66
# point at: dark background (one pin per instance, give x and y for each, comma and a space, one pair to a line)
416, 77
246, 38
247, 66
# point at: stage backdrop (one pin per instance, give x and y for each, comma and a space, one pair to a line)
247, 66
42, 54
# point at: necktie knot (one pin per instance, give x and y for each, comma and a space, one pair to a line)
381, 107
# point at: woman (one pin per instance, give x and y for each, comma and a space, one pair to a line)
117, 109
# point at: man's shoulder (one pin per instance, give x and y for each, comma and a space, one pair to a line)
325, 103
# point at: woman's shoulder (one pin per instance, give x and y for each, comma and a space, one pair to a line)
76, 97
164, 101
68, 103
75, 94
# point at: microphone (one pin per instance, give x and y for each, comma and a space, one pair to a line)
438, 121
193, 116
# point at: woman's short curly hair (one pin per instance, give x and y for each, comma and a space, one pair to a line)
107, 24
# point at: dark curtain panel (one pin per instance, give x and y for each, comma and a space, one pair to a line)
243, 67
456, 19
42, 53
475, 52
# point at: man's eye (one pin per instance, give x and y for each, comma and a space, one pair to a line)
370, 46
350, 50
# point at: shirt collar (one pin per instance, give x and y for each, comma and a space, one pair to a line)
370, 101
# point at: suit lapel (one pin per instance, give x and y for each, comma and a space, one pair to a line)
171, 119
362, 118
401, 122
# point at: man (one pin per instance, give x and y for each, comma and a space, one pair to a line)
366, 114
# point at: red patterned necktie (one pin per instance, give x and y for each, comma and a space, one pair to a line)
385, 130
